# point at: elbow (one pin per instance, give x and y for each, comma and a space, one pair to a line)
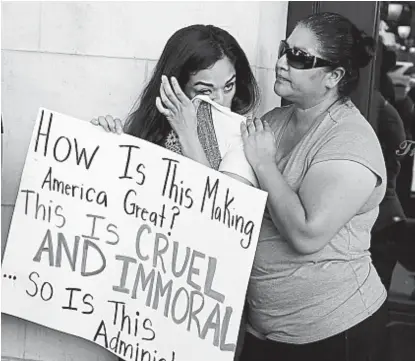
306, 244
306, 249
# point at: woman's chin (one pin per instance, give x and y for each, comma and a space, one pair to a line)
280, 89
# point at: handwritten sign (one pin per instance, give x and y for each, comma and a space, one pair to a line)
128, 245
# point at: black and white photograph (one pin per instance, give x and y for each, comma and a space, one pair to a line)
207, 181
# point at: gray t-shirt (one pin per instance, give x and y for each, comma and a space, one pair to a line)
296, 298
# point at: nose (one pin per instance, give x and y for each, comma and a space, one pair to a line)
218, 97
282, 63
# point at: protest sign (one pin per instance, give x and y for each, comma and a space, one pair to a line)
128, 245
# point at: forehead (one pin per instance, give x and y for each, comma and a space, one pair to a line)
304, 39
217, 74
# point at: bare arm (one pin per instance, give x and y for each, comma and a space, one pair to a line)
331, 194
193, 150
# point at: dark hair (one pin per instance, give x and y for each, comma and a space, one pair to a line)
342, 43
188, 51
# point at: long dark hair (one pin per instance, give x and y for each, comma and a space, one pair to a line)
343, 44
188, 51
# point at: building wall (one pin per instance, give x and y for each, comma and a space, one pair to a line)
92, 58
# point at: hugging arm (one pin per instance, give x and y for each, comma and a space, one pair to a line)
331, 194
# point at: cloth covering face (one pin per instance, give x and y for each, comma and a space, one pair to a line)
220, 136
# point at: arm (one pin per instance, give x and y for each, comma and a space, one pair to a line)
331, 194
238, 178
193, 149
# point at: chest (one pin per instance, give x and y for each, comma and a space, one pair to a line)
288, 138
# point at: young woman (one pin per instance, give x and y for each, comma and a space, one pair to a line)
197, 60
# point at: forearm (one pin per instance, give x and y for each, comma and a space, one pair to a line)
192, 149
287, 212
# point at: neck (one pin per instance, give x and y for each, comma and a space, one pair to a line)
306, 113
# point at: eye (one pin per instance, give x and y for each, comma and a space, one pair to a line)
204, 91
229, 87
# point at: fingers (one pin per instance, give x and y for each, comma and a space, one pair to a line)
169, 95
244, 130
118, 126
258, 124
109, 123
165, 99
103, 123
254, 125
161, 108
181, 96
267, 127
250, 126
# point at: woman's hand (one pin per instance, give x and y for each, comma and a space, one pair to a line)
259, 142
177, 108
109, 124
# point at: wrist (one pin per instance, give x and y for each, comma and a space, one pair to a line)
264, 167
190, 144
187, 139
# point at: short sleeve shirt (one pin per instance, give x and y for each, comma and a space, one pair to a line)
298, 298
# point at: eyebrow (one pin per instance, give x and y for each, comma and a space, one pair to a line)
211, 85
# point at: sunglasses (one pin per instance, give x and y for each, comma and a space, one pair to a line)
299, 59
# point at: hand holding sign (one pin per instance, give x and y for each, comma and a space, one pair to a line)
131, 241
109, 123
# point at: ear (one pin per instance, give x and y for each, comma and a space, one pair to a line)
334, 76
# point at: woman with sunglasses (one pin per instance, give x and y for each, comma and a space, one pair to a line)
314, 294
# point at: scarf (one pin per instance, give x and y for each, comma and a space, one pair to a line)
206, 134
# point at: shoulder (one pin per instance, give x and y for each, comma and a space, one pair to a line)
353, 136
349, 136
348, 124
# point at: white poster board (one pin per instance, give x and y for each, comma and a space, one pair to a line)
128, 245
